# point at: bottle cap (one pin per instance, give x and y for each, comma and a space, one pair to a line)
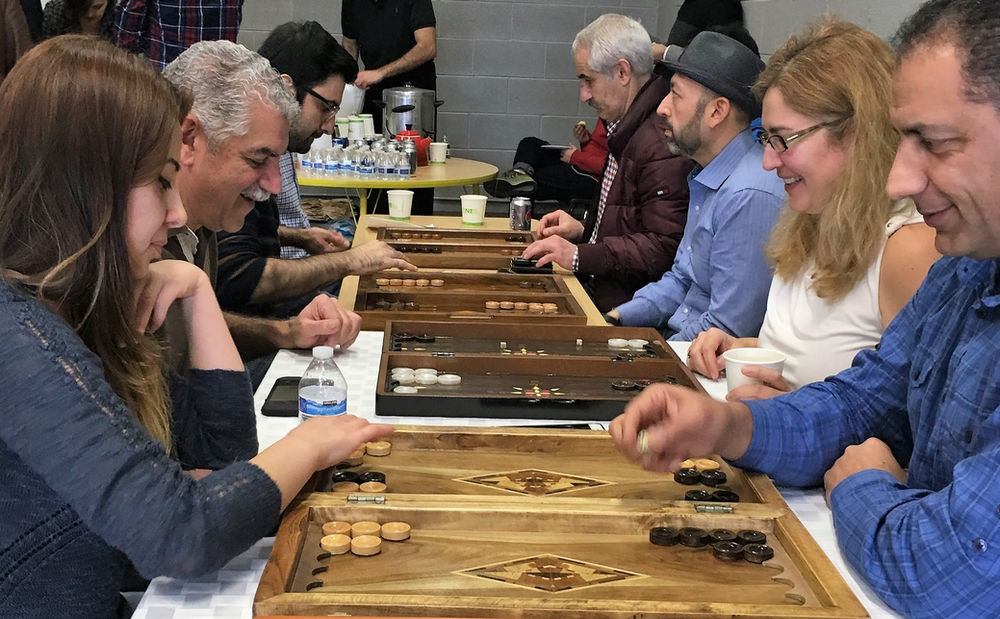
323, 352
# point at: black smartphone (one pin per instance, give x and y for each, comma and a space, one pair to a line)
283, 401
528, 265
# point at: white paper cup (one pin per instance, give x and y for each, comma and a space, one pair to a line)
473, 209
738, 358
437, 151
400, 201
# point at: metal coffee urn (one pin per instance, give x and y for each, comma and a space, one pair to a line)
408, 105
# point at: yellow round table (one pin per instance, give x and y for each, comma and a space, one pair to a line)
455, 172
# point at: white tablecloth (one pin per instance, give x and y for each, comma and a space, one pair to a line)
228, 593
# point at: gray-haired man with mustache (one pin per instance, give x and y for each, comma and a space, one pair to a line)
231, 139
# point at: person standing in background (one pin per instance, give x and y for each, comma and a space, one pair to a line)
94, 17
694, 16
162, 30
397, 42
15, 38
33, 13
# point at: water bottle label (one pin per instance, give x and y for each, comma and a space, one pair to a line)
332, 404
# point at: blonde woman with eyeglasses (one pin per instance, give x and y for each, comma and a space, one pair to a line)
846, 258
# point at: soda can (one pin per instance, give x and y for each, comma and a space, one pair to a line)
520, 213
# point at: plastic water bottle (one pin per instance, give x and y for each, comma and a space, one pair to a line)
367, 164
322, 389
402, 166
390, 165
381, 165
344, 165
329, 164
306, 164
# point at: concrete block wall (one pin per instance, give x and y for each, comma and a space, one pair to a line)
505, 69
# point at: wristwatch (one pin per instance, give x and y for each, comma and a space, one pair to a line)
614, 321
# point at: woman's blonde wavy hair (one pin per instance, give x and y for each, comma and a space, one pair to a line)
83, 123
837, 72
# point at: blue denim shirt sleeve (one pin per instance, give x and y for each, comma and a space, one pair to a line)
654, 303
930, 547
720, 276
740, 274
64, 422
925, 553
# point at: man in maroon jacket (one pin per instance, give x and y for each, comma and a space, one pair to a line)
629, 237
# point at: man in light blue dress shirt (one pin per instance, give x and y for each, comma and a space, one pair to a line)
720, 276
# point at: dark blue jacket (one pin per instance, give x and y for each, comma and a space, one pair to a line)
84, 488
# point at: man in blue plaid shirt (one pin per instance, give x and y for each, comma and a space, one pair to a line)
927, 540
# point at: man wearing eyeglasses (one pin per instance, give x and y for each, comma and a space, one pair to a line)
720, 276
310, 60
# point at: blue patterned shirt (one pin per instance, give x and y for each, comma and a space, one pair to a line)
931, 391
289, 201
720, 277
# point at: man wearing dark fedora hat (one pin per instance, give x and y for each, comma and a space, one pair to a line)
720, 276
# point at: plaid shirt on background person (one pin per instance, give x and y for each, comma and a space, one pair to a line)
289, 201
161, 29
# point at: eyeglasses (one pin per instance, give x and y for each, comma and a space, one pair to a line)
780, 144
330, 108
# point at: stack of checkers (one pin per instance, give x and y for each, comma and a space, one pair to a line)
422, 376
349, 481
361, 538
369, 481
408, 282
707, 472
748, 545
523, 306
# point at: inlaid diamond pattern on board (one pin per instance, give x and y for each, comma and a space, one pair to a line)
550, 573
534, 482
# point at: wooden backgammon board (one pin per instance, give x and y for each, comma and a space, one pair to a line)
521, 371
551, 524
457, 249
468, 297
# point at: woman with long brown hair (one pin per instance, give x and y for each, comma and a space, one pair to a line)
846, 257
94, 438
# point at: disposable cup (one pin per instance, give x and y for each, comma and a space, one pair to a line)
739, 358
473, 209
400, 202
437, 151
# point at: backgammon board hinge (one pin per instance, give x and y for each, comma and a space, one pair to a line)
366, 498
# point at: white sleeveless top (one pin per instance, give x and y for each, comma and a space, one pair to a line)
819, 338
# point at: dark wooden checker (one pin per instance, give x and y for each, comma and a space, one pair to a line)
461, 249
463, 298
524, 371
553, 556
